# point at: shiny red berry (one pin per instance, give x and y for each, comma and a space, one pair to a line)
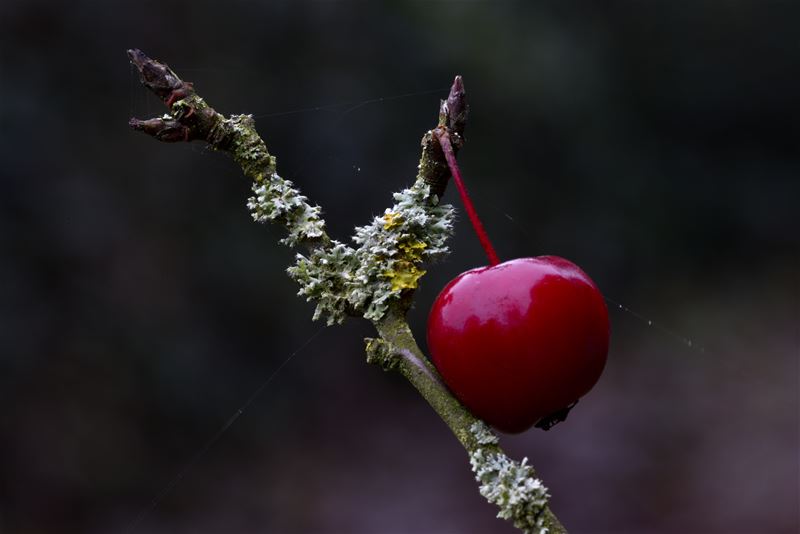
519, 341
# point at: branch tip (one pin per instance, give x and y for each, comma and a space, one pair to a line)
167, 130
157, 76
453, 111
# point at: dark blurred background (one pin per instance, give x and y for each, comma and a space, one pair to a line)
653, 143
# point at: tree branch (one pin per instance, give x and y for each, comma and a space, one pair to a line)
512, 486
190, 118
375, 280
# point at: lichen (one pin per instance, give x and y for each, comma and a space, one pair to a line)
512, 486
187, 106
385, 262
483, 434
391, 248
325, 276
277, 200
382, 353
391, 220
247, 147
405, 275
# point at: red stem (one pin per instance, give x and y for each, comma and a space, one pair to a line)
483, 237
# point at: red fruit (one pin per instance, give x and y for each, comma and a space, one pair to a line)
519, 341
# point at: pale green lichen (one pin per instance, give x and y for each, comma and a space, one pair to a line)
274, 199
277, 200
326, 276
343, 279
391, 248
385, 263
483, 434
512, 486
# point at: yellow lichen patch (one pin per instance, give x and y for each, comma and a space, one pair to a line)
412, 250
405, 275
391, 220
